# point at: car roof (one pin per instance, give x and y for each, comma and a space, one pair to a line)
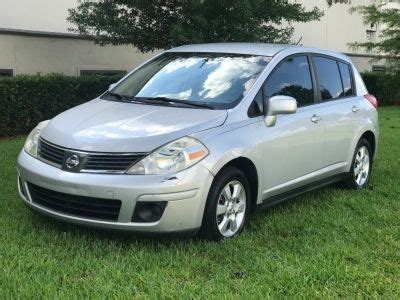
234, 48
252, 49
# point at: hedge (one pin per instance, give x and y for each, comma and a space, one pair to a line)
385, 87
26, 100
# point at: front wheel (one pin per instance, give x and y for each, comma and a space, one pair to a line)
361, 167
227, 205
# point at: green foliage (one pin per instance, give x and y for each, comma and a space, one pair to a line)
151, 25
385, 87
389, 40
26, 100
332, 2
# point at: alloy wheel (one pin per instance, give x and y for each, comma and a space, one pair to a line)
361, 166
231, 208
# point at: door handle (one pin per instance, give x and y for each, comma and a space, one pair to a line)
355, 109
315, 118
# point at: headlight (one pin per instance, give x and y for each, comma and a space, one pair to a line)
171, 158
31, 144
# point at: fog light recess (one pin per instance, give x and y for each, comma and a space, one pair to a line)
147, 212
22, 188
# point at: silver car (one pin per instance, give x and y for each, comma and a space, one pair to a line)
200, 136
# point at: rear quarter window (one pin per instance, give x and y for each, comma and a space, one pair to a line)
346, 79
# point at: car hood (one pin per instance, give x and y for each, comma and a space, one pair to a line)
109, 126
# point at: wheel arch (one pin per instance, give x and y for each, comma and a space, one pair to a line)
371, 138
249, 169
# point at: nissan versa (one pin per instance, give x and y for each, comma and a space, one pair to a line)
200, 136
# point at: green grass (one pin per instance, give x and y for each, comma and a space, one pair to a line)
330, 242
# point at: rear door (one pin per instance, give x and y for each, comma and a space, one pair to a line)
339, 109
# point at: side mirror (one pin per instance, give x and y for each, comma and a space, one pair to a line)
111, 86
278, 105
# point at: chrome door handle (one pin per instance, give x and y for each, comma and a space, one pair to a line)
315, 118
355, 109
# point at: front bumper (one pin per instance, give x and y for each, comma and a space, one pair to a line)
185, 193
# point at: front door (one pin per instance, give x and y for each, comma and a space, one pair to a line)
292, 149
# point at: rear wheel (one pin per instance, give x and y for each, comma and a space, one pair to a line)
361, 168
227, 205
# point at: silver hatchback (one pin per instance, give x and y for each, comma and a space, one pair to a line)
200, 136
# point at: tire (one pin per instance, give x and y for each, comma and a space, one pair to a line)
233, 205
361, 166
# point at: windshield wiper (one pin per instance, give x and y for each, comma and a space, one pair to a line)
118, 96
171, 100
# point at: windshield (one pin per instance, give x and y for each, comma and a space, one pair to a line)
215, 79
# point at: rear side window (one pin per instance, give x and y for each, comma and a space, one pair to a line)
328, 78
292, 78
346, 79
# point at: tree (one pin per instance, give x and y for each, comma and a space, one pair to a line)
389, 39
331, 2
151, 25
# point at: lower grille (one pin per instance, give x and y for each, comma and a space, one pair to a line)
80, 206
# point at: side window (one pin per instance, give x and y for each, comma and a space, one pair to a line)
328, 78
346, 79
256, 108
292, 78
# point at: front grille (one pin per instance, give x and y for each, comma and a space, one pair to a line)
47, 151
93, 162
80, 206
110, 162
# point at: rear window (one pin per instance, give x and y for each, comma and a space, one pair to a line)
328, 77
346, 79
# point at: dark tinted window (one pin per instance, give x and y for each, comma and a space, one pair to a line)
328, 76
257, 106
103, 72
6, 72
292, 78
346, 79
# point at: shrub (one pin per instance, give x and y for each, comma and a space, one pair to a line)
26, 100
385, 87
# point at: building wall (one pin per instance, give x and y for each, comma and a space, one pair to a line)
33, 54
339, 27
69, 55
335, 29
38, 15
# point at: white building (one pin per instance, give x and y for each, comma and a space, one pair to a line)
34, 38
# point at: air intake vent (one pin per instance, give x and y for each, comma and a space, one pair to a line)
80, 206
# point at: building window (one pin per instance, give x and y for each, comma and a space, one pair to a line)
378, 68
6, 72
102, 72
371, 34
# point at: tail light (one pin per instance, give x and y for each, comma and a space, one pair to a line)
371, 99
